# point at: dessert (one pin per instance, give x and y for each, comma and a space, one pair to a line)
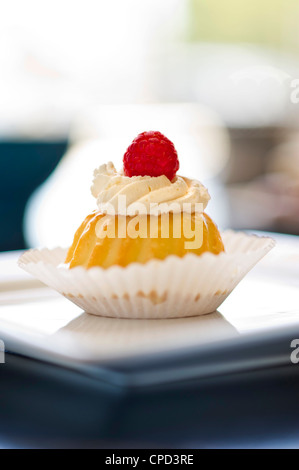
149, 250
145, 212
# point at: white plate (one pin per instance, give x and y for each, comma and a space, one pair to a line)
38, 322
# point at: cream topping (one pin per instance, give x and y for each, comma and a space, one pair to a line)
123, 195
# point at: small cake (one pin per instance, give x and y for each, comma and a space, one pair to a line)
145, 211
149, 251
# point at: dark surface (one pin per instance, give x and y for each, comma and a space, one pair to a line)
23, 167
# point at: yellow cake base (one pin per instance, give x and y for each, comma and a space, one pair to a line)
105, 241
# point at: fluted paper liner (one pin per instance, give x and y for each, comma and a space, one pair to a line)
169, 288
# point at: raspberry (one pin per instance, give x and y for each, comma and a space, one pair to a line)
151, 154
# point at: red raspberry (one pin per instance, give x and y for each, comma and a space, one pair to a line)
151, 154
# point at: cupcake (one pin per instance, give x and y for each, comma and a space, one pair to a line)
149, 250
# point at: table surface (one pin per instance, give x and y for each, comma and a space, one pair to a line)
267, 300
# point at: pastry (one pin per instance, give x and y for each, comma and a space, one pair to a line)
144, 212
149, 250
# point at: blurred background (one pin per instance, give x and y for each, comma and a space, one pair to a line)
80, 79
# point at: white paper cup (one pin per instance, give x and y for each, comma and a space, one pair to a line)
169, 288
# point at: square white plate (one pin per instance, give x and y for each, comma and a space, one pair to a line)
37, 322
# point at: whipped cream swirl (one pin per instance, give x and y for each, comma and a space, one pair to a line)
145, 191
